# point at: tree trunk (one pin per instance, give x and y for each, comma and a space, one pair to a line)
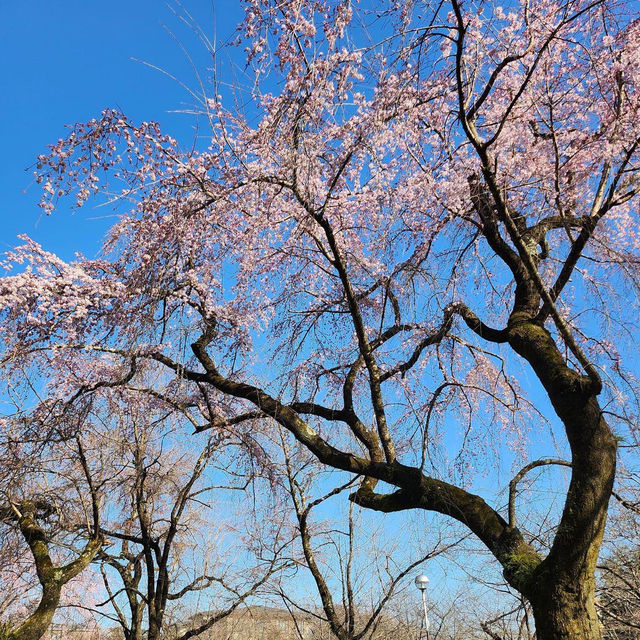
37, 624
51, 578
566, 611
562, 589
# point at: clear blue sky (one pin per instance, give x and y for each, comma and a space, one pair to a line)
65, 61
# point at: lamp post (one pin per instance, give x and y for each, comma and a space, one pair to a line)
422, 582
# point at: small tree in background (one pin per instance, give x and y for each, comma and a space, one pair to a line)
619, 586
359, 572
50, 506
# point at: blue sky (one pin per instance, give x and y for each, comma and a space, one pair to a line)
64, 62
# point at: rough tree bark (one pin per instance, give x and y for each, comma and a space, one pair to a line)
562, 587
52, 578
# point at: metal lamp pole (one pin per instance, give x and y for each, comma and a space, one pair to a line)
422, 582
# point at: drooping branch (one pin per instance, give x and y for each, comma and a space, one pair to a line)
433, 338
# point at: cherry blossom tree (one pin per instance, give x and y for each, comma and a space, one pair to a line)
42, 508
415, 242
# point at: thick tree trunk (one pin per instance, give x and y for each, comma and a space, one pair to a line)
566, 612
51, 578
562, 588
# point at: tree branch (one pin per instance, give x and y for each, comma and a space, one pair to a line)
523, 472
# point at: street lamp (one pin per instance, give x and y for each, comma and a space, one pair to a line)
422, 582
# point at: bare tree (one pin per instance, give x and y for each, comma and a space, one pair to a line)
356, 575
619, 572
170, 543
